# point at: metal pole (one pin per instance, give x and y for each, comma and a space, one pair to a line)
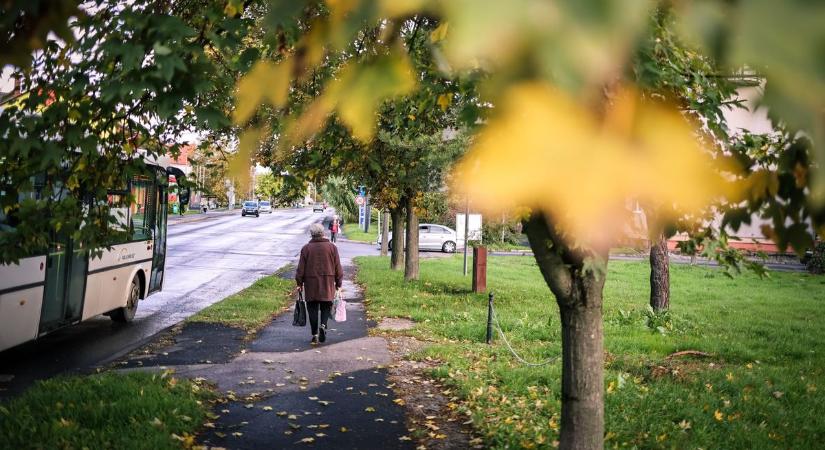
490, 319
466, 232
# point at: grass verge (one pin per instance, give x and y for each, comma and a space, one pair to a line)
354, 233
253, 307
129, 411
759, 388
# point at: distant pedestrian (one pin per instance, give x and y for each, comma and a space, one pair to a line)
319, 274
334, 228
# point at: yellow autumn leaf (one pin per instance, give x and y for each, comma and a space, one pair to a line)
444, 101
582, 169
233, 8
398, 8
267, 81
360, 89
718, 416
240, 162
440, 32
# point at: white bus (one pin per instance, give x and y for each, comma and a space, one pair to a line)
66, 285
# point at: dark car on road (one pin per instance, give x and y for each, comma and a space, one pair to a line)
250, 209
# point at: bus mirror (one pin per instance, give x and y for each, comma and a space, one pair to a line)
183, 195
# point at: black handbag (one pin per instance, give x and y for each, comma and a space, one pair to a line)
299, 317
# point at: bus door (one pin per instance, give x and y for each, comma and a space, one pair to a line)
66, 265
159, 235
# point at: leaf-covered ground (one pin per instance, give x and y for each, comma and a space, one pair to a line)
758, 388
132, 411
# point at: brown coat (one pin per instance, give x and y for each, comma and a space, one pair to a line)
319, 270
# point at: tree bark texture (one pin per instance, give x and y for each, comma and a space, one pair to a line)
397, 255
578, 291
411, 259
659, 275
385, 229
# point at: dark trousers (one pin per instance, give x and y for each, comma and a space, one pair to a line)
316, 310
332, 235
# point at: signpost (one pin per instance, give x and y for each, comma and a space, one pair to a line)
361, 201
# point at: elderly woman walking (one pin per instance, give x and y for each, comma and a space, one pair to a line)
319, 275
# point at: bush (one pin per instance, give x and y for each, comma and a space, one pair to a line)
508, 232
816, 263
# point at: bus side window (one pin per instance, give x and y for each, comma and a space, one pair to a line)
118, 210
141, 215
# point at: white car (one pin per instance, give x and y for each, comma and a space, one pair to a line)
433, 237
265, 207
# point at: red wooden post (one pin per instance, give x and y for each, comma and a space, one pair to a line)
479, 269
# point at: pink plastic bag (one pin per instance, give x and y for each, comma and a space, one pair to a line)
340, 309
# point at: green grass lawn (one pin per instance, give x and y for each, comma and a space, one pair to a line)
354, 233
253, 307
132, 411
760, 388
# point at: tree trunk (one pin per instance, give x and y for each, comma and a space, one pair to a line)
411, 255
385, 229
659, 275
578, 292
397, 256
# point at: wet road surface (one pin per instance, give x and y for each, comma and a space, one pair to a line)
207, 260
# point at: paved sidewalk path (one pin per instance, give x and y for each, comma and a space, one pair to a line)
285, 393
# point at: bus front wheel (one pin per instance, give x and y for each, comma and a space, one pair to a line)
127, 313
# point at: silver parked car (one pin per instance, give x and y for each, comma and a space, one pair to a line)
433, 237
265, 207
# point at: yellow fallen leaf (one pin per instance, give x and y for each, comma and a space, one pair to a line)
718, 415
369, 409
399, 401
267, 408
343, 429
308, 440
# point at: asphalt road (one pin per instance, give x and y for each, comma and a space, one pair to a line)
207, 260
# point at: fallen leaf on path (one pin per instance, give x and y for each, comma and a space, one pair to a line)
399, 402
313, 398
307, 440
292, 417
267, 408
369, 409
343, 429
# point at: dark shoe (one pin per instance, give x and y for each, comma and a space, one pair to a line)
322, 333
314, 340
